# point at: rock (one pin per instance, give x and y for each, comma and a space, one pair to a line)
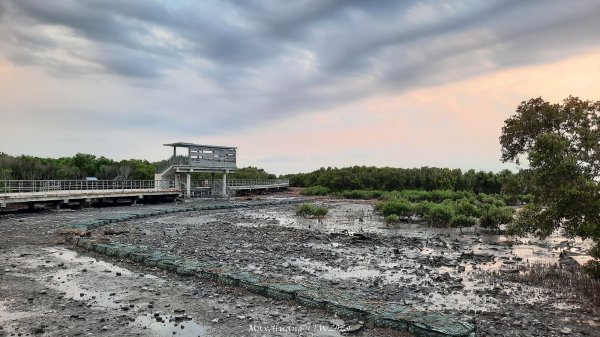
351, 328
104, 328
338, 323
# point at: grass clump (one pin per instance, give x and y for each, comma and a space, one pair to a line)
570, 281
316, 190
391, 219
310, 210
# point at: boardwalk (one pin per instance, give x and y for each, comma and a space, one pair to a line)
82, 191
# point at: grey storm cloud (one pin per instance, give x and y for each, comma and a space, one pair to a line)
270, 59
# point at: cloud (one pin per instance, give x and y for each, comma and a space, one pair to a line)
234, 65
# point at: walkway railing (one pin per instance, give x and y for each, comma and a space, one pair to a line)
68, 187
260, 182
47, 188
242, 183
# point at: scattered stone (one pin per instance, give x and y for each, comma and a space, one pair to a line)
351, 328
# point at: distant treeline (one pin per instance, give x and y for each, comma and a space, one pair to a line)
79, 166
84, 165
395, 179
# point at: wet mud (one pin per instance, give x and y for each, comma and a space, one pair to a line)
353, 251
50, 289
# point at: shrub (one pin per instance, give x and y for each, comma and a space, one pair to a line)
462, 221
439, 215
361, 194
464, 207
392, 218
422, 208
492, 216
319, 211
306, 209
401, 207
492, 199
316, 190
592, 267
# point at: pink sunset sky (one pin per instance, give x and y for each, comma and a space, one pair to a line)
294, 86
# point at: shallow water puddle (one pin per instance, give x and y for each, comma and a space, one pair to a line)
343, 217
105, 285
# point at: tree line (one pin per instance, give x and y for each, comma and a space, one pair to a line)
79, 166
397, 179
83, 165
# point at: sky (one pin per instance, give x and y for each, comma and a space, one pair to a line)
295, 85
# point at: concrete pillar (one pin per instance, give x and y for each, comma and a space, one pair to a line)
213, 185
177, 185
225, 184
188, 186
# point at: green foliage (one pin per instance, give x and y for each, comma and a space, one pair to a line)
399, 207
5, 174
84, 165
361, 194
77, 167
391, 219
592, 267
561, 143
466, 208
461, 220
490, 199
458, 209
316, 190
422, 208
252, 173
493, 216
439, 215
390, 179
307, 210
